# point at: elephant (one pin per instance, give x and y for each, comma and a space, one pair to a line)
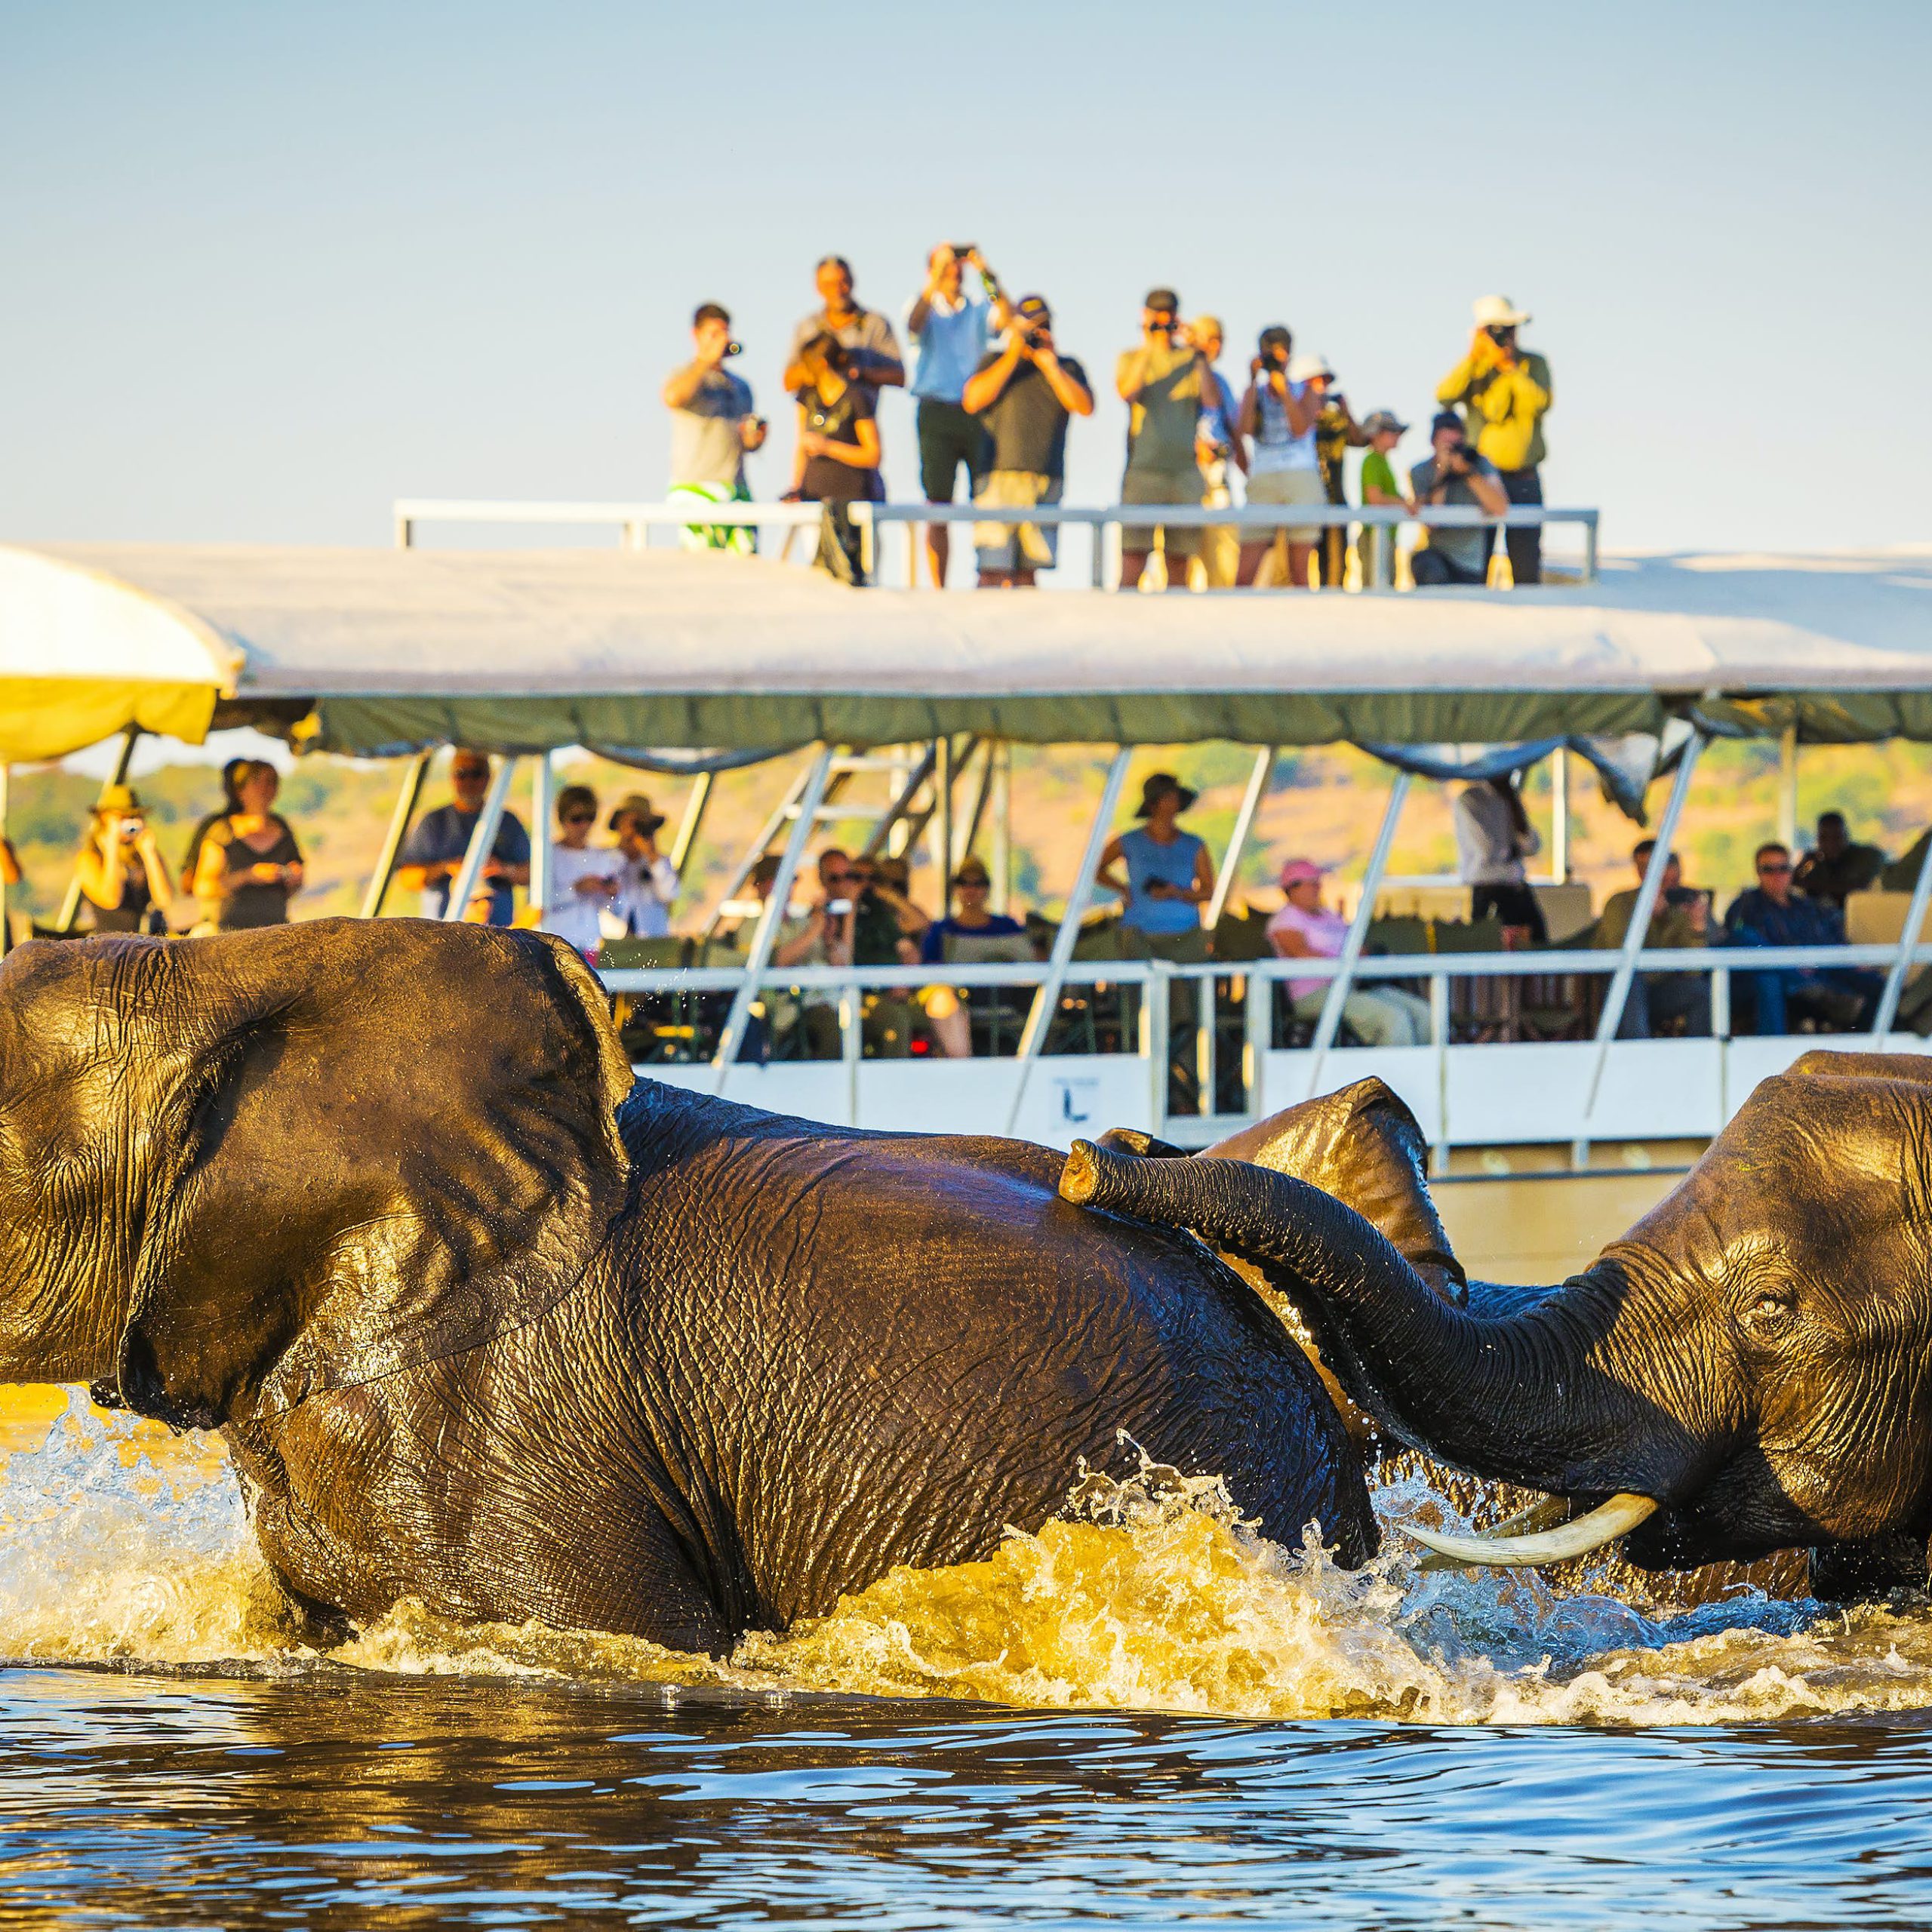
1748, 1369
485, 1322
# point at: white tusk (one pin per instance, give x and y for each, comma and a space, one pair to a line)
1544, 1515
1605, 1524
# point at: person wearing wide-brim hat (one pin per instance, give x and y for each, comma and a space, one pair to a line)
1169, 878
123, 877
649, 885
1504, 392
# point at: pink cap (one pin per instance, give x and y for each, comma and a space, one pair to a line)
1300, 871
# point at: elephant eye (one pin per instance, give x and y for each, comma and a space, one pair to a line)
1770, 1304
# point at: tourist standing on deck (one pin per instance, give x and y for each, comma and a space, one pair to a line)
584, 879
1336, 432
1381, 490
1025, 395
713, 424
433, 853
1493, 836
250, 865
123, 877
1455, 473
1505, 393
1219, 451
949, 328
1279, 414
1164, 382
838, 457
1169, 877
875, 359
648, 882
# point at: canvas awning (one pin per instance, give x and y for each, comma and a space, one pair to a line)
522, 650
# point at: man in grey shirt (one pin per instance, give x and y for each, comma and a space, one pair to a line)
875, 357
1455, 473
712, 425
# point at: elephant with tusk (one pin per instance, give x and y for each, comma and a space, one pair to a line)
484, 1323
1748, 1369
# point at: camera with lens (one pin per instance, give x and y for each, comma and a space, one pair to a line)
961, 249
1500, 333
734, 347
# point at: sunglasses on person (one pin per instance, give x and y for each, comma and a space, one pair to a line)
829, 879
1774, 865
470, 774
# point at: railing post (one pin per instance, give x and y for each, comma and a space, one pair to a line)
1257, 1023
1590, 548
70, 905
764, 936
1157, 1037
1046, 1001
543, 803
1439, 1026
1914, 922
1633, 940
1329, 1023
405, 533
482, 837
406, 800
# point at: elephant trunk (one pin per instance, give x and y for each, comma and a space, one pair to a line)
1533, 1398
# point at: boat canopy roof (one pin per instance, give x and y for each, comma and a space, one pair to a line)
381, 651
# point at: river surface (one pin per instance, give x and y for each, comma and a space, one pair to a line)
1145, 1715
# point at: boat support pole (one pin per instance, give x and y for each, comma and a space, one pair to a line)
463, 888
405, 810
772, 916
1250, 803
1329, 1023
1046, 1001
1618, 994
70, 906
1895, 976
693, 817
6, 931
543, 804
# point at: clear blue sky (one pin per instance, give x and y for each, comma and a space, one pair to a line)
265, 266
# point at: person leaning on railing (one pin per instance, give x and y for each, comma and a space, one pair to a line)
1456, 475
713, 424
1026, 396
1678, 1002
1505, 392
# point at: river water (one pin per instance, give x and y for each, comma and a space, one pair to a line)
1144, 1714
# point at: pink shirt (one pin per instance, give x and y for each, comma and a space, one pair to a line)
1323, 932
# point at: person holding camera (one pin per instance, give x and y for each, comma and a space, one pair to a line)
874, 357
1025, 396
1454, 473
950, 329
124, 878
838, 457
1505, 393
1219, 451
713, 425
1336, 432
1278, 415
1165, 383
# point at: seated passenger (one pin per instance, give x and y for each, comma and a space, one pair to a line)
584, 879
821, 937
1656, 1002
1835, 868
968, 936
1840, 999
124, 878
886, 926
1304, 929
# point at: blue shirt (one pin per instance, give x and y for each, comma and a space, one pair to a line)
932, 949
442, 837
1216, 426
1147, 861
1799, 921
950, 346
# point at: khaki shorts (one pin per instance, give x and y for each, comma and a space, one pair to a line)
1016, 546
1285, 486
1161, 486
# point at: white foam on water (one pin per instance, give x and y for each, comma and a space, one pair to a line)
1151, 1594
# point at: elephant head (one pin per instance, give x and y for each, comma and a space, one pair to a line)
236, 1170
1749, 1369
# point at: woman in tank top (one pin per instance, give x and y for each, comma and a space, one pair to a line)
250, 863
124, 878
1170, 876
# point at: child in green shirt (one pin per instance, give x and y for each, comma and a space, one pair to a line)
1378, 487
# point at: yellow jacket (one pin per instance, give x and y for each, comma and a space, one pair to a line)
1503, 408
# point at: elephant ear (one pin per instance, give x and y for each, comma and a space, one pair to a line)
1363, 1146
371, 1144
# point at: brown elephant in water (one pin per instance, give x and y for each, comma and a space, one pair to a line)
484, 1323
1748, 1369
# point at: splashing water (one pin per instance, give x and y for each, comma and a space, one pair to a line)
1150, 1594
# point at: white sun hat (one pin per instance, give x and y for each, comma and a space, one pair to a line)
1307, 366
1498, 311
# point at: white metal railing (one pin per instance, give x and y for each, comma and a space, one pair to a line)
1250, 985
634, 520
